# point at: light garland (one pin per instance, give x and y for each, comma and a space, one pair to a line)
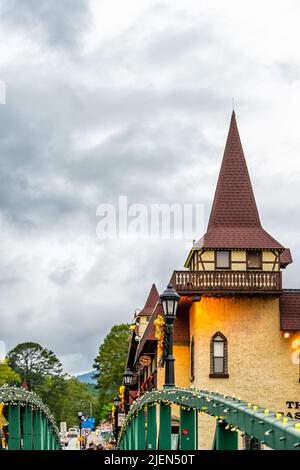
154, 398
18, 396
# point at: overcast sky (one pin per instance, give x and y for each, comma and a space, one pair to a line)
114, 97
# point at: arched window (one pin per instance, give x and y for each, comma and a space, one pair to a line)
219, 356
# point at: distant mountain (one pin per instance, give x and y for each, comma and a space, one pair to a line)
87, 378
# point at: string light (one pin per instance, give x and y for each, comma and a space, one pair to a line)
18, 396
194, 400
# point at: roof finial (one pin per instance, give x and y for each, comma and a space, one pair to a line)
233, 104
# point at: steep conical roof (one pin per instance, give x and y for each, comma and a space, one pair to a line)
151, 301
234, 220
234, 203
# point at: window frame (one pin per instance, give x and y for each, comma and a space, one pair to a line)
229, 259
248, 253
213, 374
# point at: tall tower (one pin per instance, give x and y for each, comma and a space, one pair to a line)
232, 285
236, 328
236, 255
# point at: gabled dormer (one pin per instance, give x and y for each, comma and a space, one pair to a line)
142, 316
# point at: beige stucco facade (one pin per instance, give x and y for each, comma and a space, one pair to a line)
259, 358
182, 352
261, 362
234, 304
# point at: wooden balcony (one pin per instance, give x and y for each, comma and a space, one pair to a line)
226, 282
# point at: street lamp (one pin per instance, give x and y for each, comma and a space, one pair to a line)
170, 300
128, 376
116, 404
80, 417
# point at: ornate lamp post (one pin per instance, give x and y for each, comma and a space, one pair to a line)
116, 424
80, 417
128, 376
170, 300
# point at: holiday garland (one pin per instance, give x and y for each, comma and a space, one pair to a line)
19, 396
162, 332
159, 324
3, 421
168, 329
122, 396
203, 401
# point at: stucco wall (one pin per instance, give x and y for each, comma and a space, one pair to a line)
259, 359
181, 353
182, 366
260, 364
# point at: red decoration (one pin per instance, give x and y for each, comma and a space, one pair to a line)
24, 385
185, 432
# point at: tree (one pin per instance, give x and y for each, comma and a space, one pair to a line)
65, 397
7, 374
34, 363
105, 411
110, 363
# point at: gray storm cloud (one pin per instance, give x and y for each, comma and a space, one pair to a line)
58, 24
98, 108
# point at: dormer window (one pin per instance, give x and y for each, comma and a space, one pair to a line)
254, 259
223, 259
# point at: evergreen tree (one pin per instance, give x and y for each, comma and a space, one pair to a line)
110, 365
33, 363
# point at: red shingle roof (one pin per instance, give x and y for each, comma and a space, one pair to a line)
151, 301
181, 327
234, 220
286, 258
290, 310
149, 334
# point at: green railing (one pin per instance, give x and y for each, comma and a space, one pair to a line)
148, 424
28, 423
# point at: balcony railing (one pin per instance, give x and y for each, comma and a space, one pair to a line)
226, 281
